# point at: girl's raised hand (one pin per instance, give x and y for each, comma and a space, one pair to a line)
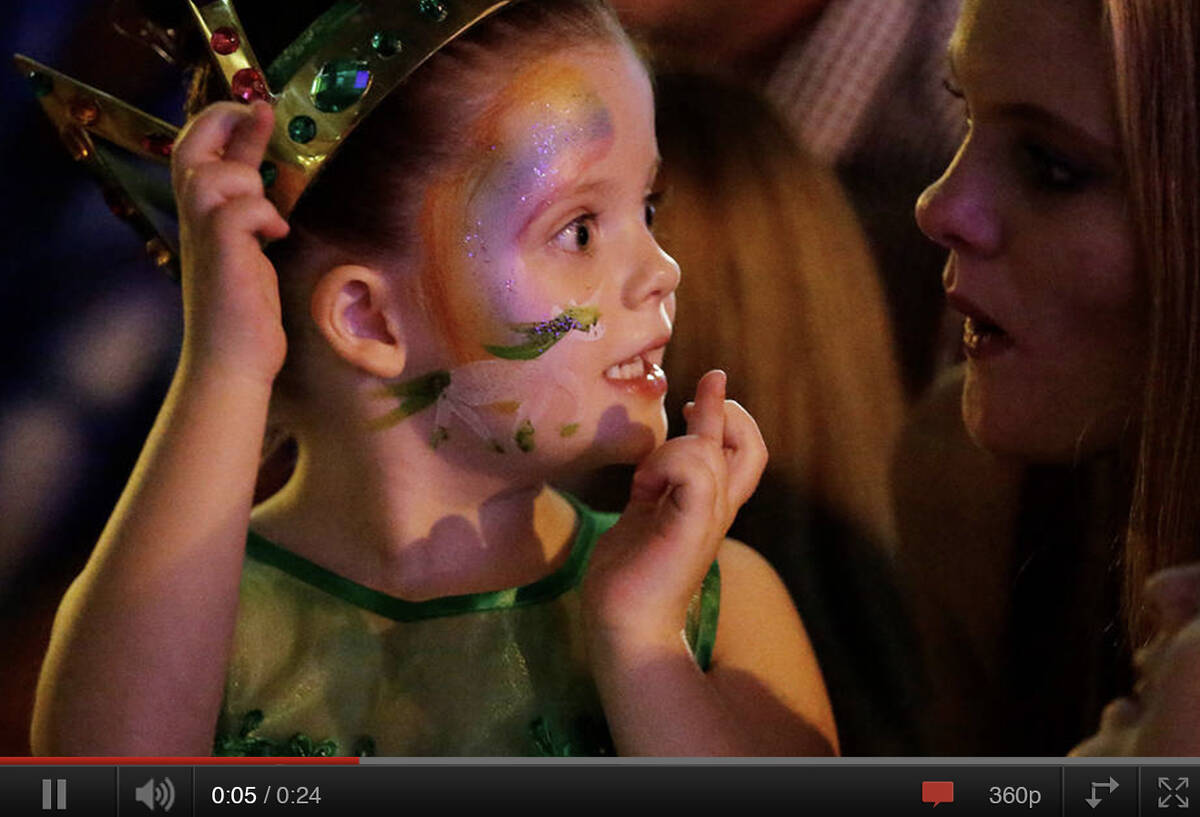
685, 496
230, 292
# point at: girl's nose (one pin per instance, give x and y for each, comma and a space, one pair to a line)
959, 210
1174, 596
655, 279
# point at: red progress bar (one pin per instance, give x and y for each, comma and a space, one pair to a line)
180, 761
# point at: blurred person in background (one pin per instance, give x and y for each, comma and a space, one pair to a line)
781, 291
859, 84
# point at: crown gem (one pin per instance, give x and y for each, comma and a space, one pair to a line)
118, 203
158, 251
269, 173
386, 43
302, 129
248, 85
225, 41
41, 83
85, 111
339, 84
433, 10
77, 143
160, 144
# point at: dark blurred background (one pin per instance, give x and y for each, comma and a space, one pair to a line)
91, 329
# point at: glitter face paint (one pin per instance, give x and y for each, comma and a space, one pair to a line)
534, 307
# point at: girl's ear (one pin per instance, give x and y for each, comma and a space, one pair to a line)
354, 308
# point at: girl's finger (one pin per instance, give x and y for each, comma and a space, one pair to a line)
248, 141
246, 216
707, 419
204, 138
211, 184
684, 482
746, 454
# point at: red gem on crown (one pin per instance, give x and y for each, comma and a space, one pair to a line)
225, 41
158, 143
249, 85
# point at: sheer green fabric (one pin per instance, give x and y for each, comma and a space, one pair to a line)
322, 665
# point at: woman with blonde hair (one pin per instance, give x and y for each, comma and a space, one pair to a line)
768, 232
783, 294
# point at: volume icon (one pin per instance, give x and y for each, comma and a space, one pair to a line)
150, 794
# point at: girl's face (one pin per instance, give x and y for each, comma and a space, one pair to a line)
1163, 715
1033, 211
555, 300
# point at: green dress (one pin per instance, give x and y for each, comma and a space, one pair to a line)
322, 665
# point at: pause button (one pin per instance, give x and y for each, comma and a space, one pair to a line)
54, 794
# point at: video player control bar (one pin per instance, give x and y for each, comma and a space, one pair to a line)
798, 788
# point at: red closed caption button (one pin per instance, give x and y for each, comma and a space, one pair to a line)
937, 791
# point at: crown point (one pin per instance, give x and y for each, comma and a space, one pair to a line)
248, 85
434, 10
339, 84
85, 111
386, 43
225, 41
302, 129
159, 144
42, 84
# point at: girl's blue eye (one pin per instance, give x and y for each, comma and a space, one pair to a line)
576, 236
1050, 171
651, 209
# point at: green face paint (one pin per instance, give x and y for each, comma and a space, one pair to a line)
568, 430
524, 437
541, 336
440, 435
415, 395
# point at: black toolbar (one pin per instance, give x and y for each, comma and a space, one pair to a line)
839, 787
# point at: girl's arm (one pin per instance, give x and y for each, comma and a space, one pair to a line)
763, 694
140, 645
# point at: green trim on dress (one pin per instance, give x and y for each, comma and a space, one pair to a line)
591, 525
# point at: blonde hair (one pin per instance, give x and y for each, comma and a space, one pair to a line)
780, 290
1155, 63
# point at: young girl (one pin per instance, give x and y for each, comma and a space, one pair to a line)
474, 302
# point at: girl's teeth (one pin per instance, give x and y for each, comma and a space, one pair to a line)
627, 371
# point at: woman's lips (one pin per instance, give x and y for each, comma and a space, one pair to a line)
982, 337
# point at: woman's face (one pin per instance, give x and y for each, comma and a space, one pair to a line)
1033, 210
1163, 715
556, 299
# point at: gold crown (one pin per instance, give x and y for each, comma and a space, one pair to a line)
321, 86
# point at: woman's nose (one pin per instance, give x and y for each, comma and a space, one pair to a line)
655, 279
1174, 596
959, 210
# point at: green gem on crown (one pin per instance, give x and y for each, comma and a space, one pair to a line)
433, 10
302, 129
386, 43
269, 173
41, 83
339, 84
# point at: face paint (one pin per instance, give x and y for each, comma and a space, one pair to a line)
415, 395
524, 437
541, 336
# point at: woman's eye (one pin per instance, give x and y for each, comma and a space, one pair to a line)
651, 208
1051, 171
576, 236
